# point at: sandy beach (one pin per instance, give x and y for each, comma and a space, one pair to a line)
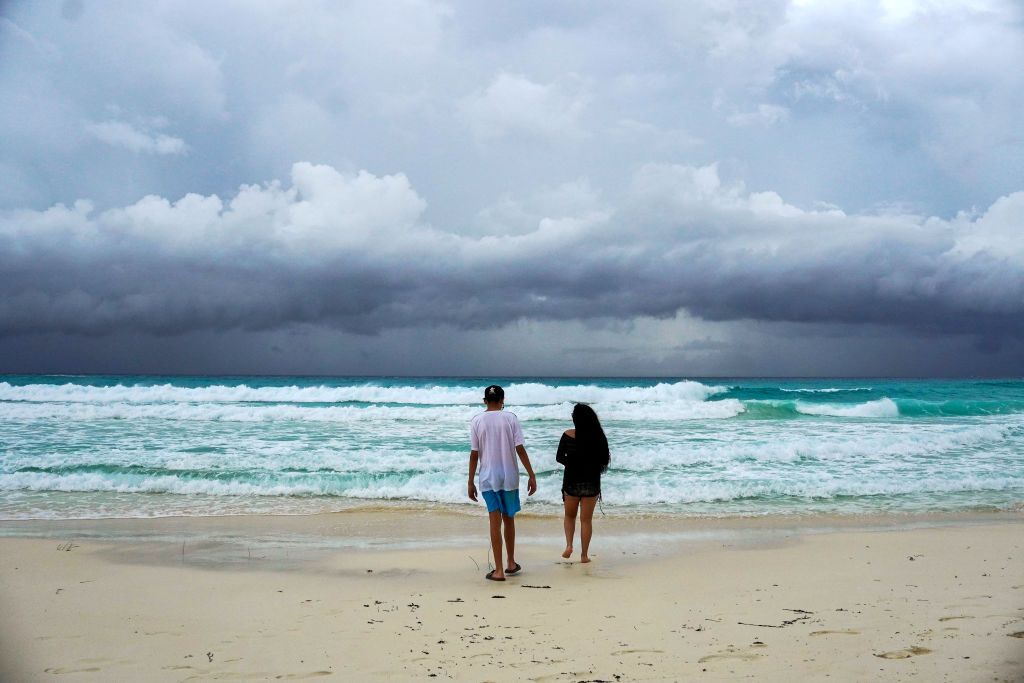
386, 594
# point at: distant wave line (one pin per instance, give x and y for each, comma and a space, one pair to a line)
518, 394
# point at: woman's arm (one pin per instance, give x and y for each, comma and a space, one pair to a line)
562, 454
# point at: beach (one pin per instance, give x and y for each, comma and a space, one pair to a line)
264, 528
380, 593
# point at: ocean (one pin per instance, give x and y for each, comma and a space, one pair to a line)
86, 447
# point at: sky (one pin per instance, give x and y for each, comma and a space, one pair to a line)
476, 188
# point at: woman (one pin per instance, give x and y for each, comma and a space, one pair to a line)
584, 452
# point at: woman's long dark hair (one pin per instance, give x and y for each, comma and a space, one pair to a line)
590, 437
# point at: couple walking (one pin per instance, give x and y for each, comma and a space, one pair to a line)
496, 439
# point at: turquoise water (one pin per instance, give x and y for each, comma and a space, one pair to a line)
94, 446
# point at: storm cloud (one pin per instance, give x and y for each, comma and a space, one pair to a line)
840, 168
353, 251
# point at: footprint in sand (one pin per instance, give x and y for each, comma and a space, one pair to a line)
952, 618
837, 633
904, 654
1018, 634
64, 670
58, 637
728, 653
311, 674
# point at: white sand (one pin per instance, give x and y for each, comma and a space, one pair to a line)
685, 600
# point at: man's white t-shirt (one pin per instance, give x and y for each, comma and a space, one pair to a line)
494, 434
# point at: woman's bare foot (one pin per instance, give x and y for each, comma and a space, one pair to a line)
568, 552
585, 558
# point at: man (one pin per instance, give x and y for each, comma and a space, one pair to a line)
495, 440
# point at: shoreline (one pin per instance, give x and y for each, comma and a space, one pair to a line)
262, 598
405, 516
290, 541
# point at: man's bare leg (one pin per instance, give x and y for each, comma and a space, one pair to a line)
587, 506
572, 503
495, 521
510, 541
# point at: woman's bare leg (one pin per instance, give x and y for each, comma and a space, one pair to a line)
572, 503
587, 506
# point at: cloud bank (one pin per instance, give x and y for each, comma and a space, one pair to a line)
352, 250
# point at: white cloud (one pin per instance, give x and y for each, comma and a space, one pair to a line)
513, 216
322, 214
765, 115
334, 211
997, 232
121, 134
514, 105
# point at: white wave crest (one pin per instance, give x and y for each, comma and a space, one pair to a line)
639, 411
838, 449
618, 489
220, 412
883, 407
518, 394
830, 390
38, 481
534, 393
448, 414
642, 491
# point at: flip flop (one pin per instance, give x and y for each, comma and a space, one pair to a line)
513, 572
490, 576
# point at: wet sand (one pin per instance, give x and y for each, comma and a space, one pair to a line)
386, 594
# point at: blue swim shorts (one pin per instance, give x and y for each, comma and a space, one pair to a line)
505, 502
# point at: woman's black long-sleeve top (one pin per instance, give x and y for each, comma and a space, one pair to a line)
582, 476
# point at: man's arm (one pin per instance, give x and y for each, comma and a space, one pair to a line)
531, 485
473, 457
